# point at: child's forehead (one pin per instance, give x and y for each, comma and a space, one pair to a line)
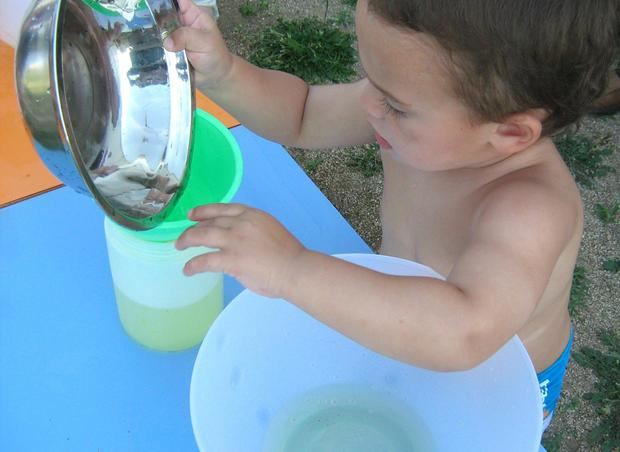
407, 42
397, 52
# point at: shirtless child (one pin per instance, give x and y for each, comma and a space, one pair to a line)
462, 98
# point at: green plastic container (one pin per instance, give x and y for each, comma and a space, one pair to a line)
158, 306
215, 173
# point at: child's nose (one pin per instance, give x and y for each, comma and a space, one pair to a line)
372, 101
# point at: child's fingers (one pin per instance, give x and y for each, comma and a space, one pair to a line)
218, 222
190, 39
198, 17
209, 236
186, 5
210, 211
194, 16
208, 262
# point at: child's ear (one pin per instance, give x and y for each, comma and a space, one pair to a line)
518, 131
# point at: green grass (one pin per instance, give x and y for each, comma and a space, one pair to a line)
584, 158
572, 404
579, 292
612, 265
366, 161
553, 443
309, 161
315, 50
252, 8
344, 18
607, 214
605, 397
352, 3
311, 165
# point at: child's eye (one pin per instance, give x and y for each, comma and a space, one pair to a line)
389, 110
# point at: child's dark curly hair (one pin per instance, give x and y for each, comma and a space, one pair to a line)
508, 56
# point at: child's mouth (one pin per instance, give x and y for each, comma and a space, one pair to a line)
383, 143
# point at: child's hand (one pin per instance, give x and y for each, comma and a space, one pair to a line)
252, 246
203, 42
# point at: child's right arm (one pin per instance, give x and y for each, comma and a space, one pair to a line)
275, 105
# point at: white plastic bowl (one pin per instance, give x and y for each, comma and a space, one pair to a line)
262, 356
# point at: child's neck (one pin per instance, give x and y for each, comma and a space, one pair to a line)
491, 169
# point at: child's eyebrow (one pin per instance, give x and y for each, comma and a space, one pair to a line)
387, 94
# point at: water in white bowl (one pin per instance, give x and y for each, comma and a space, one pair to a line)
347, 418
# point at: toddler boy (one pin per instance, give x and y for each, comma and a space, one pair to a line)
462, 97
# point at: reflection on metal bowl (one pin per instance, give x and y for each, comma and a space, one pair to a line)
109, 109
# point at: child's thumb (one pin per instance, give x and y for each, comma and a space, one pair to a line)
185, 38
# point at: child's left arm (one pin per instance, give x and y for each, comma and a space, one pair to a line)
446, 325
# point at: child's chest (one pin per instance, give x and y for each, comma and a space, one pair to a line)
429, 225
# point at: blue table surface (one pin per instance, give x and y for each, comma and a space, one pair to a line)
70, 378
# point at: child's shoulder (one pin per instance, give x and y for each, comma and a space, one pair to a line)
539, 201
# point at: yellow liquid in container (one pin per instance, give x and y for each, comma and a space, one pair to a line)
169, 329
158, 305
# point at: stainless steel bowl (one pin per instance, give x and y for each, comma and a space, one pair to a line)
108, 108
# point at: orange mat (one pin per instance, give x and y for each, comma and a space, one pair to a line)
206, 104
22, 173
